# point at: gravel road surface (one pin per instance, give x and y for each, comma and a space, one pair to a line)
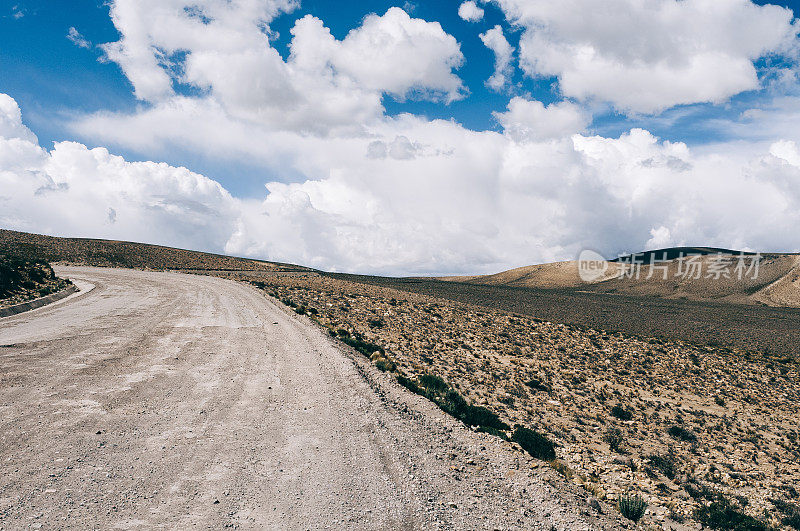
165, 400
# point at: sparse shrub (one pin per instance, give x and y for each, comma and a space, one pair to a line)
793, 520
720, 401
632, 506
784, 506
481, 416
536, 385
561, 468
363, 347
300, 310
535, 443
47, 290
312, 311
722, 515
435, 389
665, 463
454, 403
433, 383
385, 364
699, 492
791, 512
615, 439
679, 432
621, 413
409, 384
382, 362
507, 400
375, 323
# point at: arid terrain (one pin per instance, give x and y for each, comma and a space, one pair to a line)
109, 253
159, 400
696, 430
774, 282
22, 280
691, 405
743, 326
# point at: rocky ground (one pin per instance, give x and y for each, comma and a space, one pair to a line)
166, 401
740, 326
111, 253
703, 434
22, 280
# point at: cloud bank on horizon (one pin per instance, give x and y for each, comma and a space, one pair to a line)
406, 194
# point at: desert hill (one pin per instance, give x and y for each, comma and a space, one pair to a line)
775, 281
112, 253
553, 275
671, 253
683, 401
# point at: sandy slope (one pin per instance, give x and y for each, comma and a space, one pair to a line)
554, 275
777, 282
784, 291
162, 400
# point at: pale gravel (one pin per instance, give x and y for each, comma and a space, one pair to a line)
173, 401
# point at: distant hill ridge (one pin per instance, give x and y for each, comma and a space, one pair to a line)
113, 253
672, 253
775, 282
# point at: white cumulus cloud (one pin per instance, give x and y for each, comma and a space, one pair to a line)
71, 191
645, 57
223, 49
470, 11
503, 52
11, 121
77, 39
392, 54
413, 196
353, 189
527, 120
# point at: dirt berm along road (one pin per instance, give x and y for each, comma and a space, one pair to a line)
164, 400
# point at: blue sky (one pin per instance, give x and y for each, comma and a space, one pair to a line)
53, 79
518, 140
44, 69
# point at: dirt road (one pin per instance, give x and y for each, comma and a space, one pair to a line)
163, 400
